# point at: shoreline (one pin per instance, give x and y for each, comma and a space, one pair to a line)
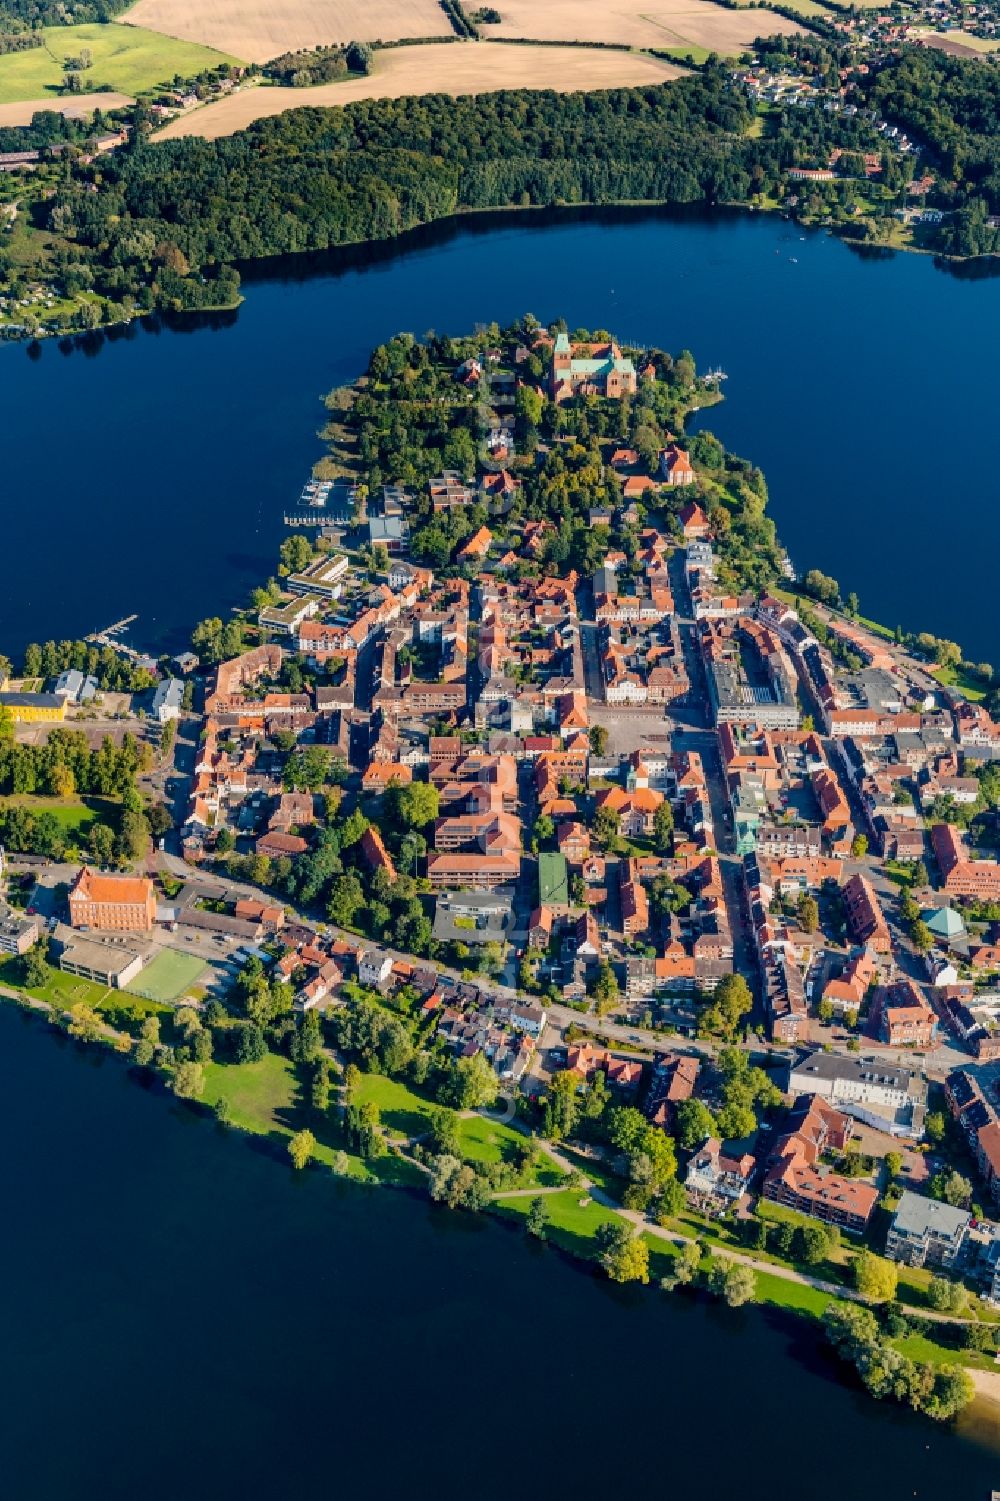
300, 265
983, 1408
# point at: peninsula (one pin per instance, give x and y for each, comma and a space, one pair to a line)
537, 838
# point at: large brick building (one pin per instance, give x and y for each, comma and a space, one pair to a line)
961, 875
115, 904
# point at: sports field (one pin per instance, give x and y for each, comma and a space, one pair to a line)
456, 68
126, 59
638, 23
168, 976
256, 30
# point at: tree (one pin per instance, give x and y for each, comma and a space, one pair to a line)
84, 1022
604, 988
301, 1148
694, 1122
418, 804
935, 1126
733, 1281
947, 1296
598, 737
951, 1188
874, 1277
623, 1253
249, 1045
34, 969
538, 1218
473, 1084
815, 1243
921, 937
663, 828
808, 912
605, 827
444, 1133
102, 845
894, 1164
319, 1089
686, 1263
562, 1106
457, 1184
859, 846
189, 1081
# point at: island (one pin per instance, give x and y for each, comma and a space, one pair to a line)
538, 839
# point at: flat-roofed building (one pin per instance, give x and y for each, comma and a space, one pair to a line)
927, 1232
102, 963
18, 932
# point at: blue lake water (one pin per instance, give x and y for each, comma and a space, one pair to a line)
146, 473
184, 1317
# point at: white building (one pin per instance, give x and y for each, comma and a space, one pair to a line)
167, 700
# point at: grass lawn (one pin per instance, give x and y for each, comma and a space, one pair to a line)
573, 1218
266, 1098
59, 989
780, 1293
77, 815
685, 51
260, 1094
168, 976
406, 1113
919, 1347
126, 59
953, 677
127, 1012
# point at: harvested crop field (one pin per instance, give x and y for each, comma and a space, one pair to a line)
960, 43
438, 68
638, 23
75, 107
256, 30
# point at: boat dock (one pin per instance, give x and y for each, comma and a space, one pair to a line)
109, 637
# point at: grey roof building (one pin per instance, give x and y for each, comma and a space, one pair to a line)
472, 917
880, 1094
927, 1232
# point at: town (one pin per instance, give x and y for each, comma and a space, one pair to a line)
537, 780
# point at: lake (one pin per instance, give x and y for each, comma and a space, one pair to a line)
184, 1316
146, 473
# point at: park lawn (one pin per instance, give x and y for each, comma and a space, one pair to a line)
404, 1112
574, 1218
778, 1292
265, 1098
919, 1347
127, 1012
126, 59
487, 1141
167, 976
77, 815
259, 1094
59, 989
965, 682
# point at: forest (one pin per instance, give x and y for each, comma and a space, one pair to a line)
20, 15
168, 216
952, 106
